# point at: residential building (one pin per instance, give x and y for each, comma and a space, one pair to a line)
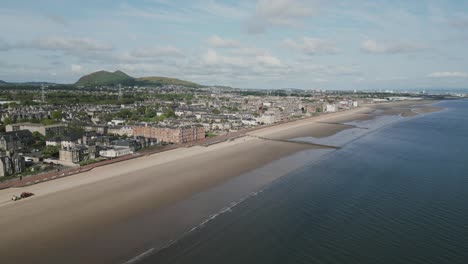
121, 130
11, 164
45, 130
115, 152
171, 134
102, 130
78, 153
330, 108
15, 140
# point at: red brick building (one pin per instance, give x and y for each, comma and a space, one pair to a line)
182, 134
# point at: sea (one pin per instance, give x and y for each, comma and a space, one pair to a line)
397, 193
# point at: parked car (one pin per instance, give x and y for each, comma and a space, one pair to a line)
26, 194
22, 196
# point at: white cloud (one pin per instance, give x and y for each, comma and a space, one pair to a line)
169, 51
278, 13
212, 58
57, 43
372, 46
76, 68
269, 61
194, 12
65, 44
449, 75
218, 42
235, 10
312, 46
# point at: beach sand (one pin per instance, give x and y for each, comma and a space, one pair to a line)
67, 215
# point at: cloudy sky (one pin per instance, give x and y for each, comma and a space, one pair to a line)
335, 44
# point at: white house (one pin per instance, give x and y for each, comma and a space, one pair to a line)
115, 152
330, 108
116, 122
267, 119
249, 122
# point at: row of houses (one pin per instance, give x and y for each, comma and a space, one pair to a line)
171, 134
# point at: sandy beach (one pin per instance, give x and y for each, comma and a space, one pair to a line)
69, 213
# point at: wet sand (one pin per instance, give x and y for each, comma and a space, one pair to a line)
86, 218
67, 220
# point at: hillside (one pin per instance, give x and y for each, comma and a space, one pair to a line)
159, 81
3, 82
105, 78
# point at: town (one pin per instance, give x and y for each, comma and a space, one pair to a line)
57, 127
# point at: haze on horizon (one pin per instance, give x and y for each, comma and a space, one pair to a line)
252, 44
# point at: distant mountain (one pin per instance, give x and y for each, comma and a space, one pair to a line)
159, 81
38, 83
104, 78
26, 83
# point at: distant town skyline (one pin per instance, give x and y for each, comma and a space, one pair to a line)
246, 44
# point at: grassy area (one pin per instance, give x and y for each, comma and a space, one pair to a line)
210, 135
28, 172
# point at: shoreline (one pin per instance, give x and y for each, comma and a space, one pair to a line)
361, 113
100, 200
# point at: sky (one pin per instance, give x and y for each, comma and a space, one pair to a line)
268, 44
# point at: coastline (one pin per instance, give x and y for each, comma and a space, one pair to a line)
81, 206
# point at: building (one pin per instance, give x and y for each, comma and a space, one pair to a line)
266, 119
171, 134
78, 153
132, 144
15, 140
10, 165
45, 130
6, 167
115, 152
330, 108
102, 130
121, 130
67, 141
74, 155
18, 163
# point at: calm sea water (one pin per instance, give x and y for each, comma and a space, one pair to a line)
398, 195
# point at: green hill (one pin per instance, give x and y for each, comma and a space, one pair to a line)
102, 78
105, 78
159, 81
3, 82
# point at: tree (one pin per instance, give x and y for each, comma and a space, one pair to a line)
170, 113
124, 113
51, 152
150, 113
216, 111
47, 121
38, 140
7, 121
56, 115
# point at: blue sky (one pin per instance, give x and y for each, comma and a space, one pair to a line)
250, 44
